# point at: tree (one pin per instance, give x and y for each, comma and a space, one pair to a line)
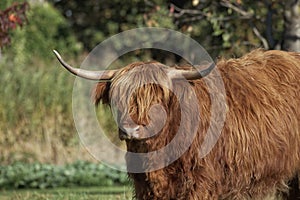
10, 18
46, 29
292, 26
93, 21
241, 23
223, 27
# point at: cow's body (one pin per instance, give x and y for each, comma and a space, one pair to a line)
258, 151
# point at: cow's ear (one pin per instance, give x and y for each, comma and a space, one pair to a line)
101, 93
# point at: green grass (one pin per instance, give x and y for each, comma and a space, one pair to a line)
88, 193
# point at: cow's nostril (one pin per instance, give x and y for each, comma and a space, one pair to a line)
123, 136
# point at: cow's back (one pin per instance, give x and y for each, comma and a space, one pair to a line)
259, 147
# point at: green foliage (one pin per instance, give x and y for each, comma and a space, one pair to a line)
224, 27
232, 27
94, 21
32, 95
35, 103
22, 175
10, 18
6, 3
46, 30
159, 16
36, 94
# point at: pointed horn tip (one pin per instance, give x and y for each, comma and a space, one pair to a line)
56, 54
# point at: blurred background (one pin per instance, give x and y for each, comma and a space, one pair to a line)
37, 132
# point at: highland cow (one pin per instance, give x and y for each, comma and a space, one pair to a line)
258, 151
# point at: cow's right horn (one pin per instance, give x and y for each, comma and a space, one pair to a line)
191, 74
104, 75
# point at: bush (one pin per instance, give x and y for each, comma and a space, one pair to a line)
45, 30
35, 105
36, 122
23, 175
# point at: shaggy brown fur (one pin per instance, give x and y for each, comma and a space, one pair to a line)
258, 152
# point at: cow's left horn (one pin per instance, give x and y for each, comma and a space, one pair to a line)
91, 75
191, 74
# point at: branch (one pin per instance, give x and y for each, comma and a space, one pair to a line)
195, 15
182, 11
192, 19
149, 3
262, 39
245, 14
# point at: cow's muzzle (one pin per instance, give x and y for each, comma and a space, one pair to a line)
129, 133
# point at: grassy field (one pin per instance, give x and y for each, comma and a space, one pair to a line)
90, 193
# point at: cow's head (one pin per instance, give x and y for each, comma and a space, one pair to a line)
140, 95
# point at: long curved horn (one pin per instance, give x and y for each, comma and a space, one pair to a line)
91, 75
191, 74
